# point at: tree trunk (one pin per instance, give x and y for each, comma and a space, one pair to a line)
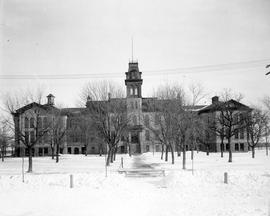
52, 148
253, 151
30, 162
111, 155
100, 150
266, 146
129, 150
85, 146
2, 153
184, 157
114, 153
207, 149
222, 148
162, 151
230, 151
57, 153
178, 151
108, 157
172, 153
166, 153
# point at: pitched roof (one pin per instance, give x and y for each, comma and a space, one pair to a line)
34, 104
219, 105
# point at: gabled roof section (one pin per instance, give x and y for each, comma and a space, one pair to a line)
230, 104
34, 104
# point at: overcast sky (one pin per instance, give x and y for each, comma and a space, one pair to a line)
221, 44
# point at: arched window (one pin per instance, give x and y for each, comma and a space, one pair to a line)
131, 91
134, 120
146, 120
32, 123
45, 123
26, 122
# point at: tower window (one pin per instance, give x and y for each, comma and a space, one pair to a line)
136, 91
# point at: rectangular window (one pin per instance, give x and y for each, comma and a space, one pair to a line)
134, 138
32, 136
27, 137
40, 151
236, 147
32, 123
46, 151
242, 146
147, 135
242, 133
157, 148
45, 123
236, 134
39, 123
147, 148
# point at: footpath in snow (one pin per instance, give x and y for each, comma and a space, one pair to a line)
46, 192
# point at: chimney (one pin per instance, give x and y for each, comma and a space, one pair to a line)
50, 99
214, 99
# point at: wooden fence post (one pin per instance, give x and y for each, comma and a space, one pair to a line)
71, 181
226, 178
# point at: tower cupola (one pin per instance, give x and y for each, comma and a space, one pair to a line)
50, 99
133, 80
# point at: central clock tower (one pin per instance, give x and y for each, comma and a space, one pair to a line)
133, 84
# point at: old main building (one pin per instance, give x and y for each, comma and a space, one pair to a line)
140, 137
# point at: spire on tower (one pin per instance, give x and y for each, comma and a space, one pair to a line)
131, 49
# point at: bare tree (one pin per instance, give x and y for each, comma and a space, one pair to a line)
27, 131
218, 128
56, 131
197, 93
5, 137
255, 123
226, 118
169, 106
107, 107
231, 119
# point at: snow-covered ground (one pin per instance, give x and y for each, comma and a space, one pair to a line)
46, 191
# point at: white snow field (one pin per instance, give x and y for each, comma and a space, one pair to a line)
46, 191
